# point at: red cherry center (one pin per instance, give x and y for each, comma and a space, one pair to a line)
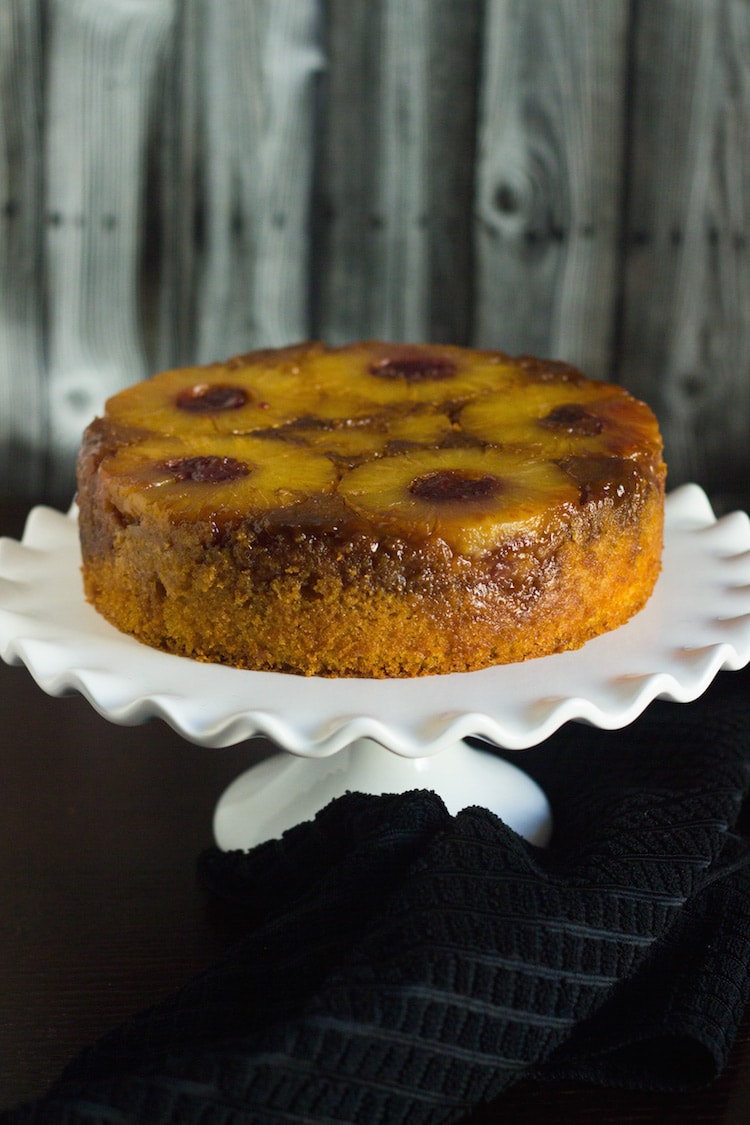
572, 419
450, 485
415, 369
211, 398
207, 470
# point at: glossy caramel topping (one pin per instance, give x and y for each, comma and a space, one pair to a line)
603, 478
419, 443
207, 470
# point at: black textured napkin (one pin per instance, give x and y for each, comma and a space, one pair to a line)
401, 965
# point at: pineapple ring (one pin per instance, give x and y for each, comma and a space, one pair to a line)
224, 399
557, 418
351, 383
506, 492
250, 394
212, 478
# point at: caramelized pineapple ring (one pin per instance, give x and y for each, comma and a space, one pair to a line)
224, 399
467, 497
561, 419
558, 418
213, 479
363, 377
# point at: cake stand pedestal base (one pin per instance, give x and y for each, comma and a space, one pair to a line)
285, 790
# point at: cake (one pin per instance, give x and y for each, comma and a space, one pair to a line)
371, 510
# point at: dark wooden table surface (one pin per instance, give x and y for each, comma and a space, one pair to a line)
101, 913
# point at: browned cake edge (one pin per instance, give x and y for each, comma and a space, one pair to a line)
310, 610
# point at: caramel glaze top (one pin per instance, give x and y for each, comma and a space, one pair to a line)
616, 477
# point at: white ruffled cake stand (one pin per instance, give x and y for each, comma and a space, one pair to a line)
379, 736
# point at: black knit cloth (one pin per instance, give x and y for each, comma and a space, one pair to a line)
401, 965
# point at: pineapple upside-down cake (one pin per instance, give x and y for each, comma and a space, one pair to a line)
371, 510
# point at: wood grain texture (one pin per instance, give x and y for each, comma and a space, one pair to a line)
686, 331
236, 183
550, 178
103, 62
23, 414
173, 217
180, 181
396, 172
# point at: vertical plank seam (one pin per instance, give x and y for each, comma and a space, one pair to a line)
617, 334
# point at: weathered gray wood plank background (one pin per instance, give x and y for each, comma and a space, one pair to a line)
185, 179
